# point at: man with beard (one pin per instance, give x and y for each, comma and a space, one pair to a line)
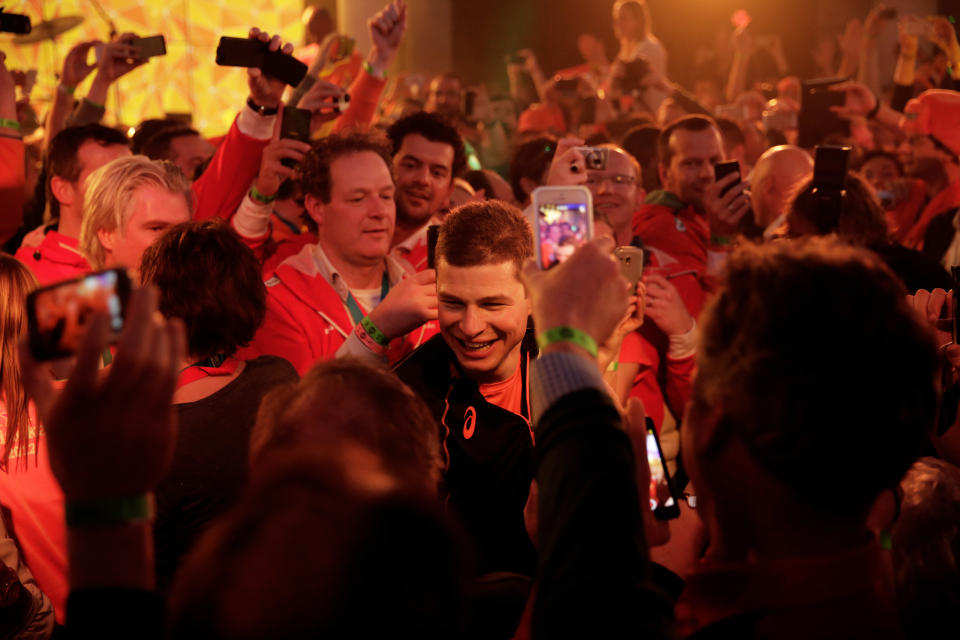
428, 154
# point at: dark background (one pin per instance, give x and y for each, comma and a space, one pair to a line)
485, 31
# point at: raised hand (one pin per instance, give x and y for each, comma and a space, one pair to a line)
265, 90
386, 32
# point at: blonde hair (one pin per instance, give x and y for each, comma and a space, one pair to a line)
16, 281
109, 196
640, 11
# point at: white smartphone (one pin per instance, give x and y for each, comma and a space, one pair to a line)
564, 221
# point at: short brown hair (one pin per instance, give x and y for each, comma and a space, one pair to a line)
686, 123
346, 399
209, 279
315, 169
812, 357
488, 232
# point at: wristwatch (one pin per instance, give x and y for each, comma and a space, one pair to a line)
262, 110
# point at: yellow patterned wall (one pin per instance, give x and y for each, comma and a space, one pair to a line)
186, 79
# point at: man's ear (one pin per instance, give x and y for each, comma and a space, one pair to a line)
314, 208
63, 190
106, 239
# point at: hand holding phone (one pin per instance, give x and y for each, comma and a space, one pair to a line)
295, 125
58, 315
255, 53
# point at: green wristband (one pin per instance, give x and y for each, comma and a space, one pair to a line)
720, 241
107, 511
568, 334
375, 333
369, 69
9, 124
259, 197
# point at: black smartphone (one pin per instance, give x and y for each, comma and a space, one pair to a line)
14, 23
830, 167
150, 47
469, 102
817, 121
663, 496
58, 315
723, 169
295, 124
244, 52
433, 234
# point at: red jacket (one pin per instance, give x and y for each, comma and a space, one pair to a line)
306, 319
56, 258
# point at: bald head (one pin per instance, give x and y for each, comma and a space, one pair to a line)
776, 175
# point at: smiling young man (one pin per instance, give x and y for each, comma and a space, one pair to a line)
428, 154
346, 286
474, 377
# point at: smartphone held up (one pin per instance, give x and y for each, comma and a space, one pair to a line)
58, 315
564, 221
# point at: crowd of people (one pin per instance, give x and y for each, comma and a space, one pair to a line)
347, 399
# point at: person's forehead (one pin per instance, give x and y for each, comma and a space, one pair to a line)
91, 155
477, 281
618, 161
706, 142
361, 170
157, 204
426, 151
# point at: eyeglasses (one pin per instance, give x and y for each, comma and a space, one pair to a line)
596, 179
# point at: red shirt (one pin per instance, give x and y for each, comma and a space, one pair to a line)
31, 493
57, 258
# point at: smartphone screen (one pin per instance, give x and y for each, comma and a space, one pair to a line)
564, 222
662, 498
58, 315
723, 169
151, 47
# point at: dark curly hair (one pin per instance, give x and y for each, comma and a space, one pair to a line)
315, 168
209, 279
434, 128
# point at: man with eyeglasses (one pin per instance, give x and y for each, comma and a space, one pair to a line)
617, 191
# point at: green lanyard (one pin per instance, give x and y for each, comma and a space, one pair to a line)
356, 314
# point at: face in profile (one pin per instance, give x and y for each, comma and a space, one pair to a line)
483, 313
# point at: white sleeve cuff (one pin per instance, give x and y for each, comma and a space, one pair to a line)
683, 345
254, 125
252, 219
354, 348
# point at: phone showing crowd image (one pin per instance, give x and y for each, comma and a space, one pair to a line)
58, 315
663, 498
564, 221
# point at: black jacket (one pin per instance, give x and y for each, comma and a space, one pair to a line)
488, 453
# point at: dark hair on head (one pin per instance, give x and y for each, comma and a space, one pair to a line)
315, 168
530, 160
880, 153
157, 147
641, 143
347, 400
488, 232
434, 128
862, 221
209, 279
686, 123
149, 128
797, 350
62, 160
345, 539
479, 180
731, 132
